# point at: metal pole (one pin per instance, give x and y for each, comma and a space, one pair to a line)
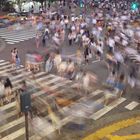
26, 125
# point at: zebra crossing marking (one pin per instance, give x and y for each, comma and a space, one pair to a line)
18, 39
15, 32
16, 36
47, 80
11, 69
20, 75
53, 129
8, 115
83, 99
6, 66
66, 119
5, 107
106, 109
132, 105
2, 61
15, 134
11, 124
62, 120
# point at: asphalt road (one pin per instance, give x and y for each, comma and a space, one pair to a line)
100, 69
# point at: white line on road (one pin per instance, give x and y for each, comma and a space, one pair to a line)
132, 105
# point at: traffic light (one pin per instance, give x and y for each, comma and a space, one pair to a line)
134, 6
81, 4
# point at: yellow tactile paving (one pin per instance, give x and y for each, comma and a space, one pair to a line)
107, 131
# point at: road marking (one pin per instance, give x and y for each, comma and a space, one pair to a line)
12, 70
106, 109
8, 115
128, 137
14, 135
18, 39
5, 107
59, 85
95, 61
5, 67
93, 94
11, 124
53, 129
66, 119
2, 61
44, 81
20, 75
4, 34
132, 105
43, 78
108, 130
16, 36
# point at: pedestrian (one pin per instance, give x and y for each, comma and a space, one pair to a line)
87, 54
55, 119
119, 86
70, 69
70, 37
79, 57
17, 62
23, 86
13, 58
44, 40
2, 92
37, 40
57, 60
8, 89
85, 83
49, 64
119, 60
17, 99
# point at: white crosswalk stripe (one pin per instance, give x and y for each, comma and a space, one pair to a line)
132, 105
91, 106
16, 36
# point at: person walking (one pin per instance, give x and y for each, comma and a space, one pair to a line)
17, 62
17, 99
87, 54
37, 40
70, 38
2, 91
8, 89
13, 58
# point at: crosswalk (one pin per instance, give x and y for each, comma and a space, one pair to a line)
16, 36
43, 88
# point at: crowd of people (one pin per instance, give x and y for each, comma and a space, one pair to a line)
109, 33
104, 34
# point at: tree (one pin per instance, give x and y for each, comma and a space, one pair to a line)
41, 1
2, 3
6, 5
19, 3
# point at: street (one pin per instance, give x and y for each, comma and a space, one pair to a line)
62, 108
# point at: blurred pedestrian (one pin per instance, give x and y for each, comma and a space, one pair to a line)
37, 40
2, 92
8, 89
